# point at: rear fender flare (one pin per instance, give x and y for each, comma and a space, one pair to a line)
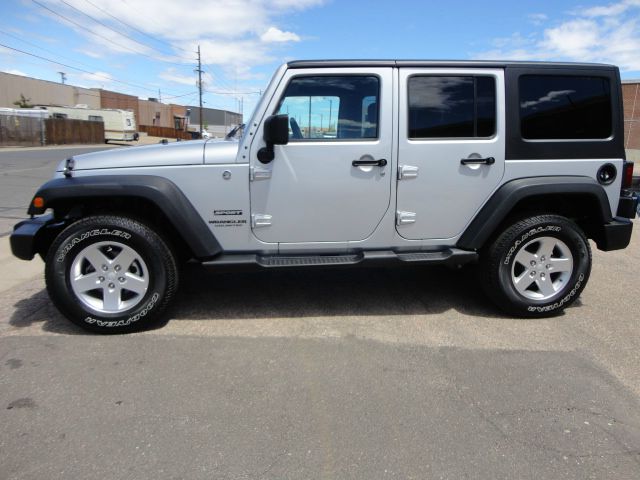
502, 202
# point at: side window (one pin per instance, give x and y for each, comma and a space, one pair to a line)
59, 115
451, 107
332, 107
95, 118
563, 107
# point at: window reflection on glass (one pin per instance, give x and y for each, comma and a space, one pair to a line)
556, 107
315, 117
451, 107
331, 107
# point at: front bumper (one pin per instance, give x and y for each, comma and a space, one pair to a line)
26, 234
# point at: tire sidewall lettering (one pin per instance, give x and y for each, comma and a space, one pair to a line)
559, 304
132, 319
87, 235
527, 236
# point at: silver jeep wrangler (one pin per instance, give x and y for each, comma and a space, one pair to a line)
512, 165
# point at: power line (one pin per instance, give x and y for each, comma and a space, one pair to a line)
113, 30
106, 93
148, 18
101, 36
218, 79
106, 77
44, 49
134, 28
256, 92
179, 96
103, 24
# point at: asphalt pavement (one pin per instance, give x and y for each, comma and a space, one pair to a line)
332, 374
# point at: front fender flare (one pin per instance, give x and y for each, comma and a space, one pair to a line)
158, 190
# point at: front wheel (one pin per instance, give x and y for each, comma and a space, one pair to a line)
110, 274
537, 267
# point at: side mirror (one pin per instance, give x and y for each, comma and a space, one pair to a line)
276, 132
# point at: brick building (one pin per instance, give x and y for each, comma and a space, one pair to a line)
149, 112
631, 103
121, 101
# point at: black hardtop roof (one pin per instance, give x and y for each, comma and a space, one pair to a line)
443, 63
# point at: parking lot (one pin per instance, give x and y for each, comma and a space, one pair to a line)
373, 373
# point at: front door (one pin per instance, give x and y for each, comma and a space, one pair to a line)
451, 148
332, 182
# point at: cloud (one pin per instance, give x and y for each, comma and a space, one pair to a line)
548, 98
172, 76
235, 34
97, 78
90, 53
604, 34
94, 80
13, 71
612, 10
537, 18
273, 35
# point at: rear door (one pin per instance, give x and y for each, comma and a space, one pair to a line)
451, 148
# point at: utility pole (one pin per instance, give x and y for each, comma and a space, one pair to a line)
199, 70
63, 77
159, 96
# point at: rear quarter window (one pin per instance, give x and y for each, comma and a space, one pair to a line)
565, 107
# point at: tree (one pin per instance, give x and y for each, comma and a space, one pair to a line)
23, 102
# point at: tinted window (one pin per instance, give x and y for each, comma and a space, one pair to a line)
332, 107
564, 107
445, 107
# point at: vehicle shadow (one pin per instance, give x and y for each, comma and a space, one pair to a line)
329, 292
210, 295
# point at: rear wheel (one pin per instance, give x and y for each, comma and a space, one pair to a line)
537, 266
110, 274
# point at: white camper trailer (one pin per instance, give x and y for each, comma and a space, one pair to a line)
119, 125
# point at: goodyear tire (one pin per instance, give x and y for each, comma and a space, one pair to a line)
537, 267
110, 274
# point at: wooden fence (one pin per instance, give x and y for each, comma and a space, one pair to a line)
62, 131
165, 132
21, 131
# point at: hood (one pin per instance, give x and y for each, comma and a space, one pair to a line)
192, 152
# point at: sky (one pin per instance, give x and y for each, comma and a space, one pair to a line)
147, 47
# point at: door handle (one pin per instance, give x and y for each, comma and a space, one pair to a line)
370, 163
478, 161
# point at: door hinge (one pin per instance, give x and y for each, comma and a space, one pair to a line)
407, 171
405, 218
257, 173
260, 220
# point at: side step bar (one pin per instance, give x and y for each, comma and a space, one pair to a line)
451, 257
